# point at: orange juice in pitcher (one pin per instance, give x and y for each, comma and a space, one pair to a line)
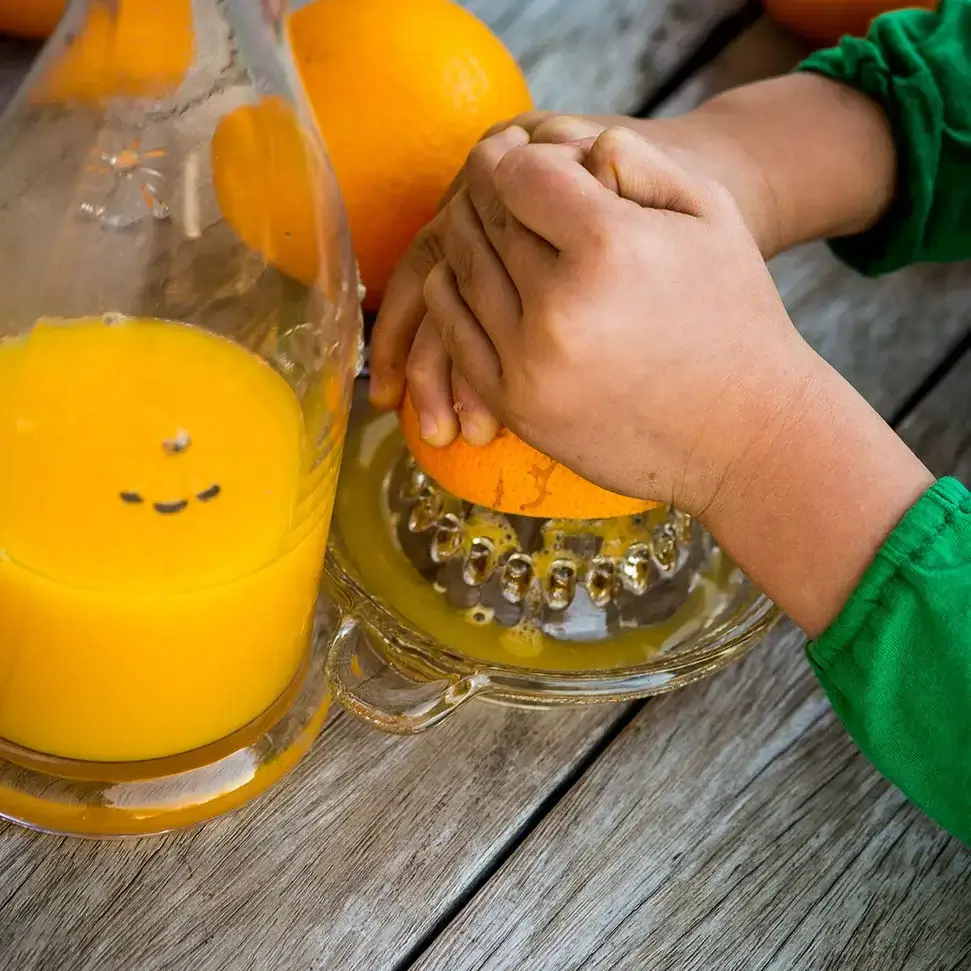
174, 390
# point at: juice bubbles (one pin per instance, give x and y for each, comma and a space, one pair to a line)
163, 519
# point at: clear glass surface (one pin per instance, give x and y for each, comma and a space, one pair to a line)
179, 331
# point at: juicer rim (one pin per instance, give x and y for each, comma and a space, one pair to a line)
415, 652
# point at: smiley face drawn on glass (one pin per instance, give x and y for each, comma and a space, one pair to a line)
144, 455
174, 447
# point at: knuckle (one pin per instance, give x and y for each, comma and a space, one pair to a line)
446, 331
419, 369
492, 213
462, 262
618, 138
426, 248
480, 152
511, 165
432, 288
611, 143
529, 120
559, 128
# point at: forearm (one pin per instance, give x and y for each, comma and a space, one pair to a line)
805, 158
806, 516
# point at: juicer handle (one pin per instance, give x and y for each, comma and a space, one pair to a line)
370, 689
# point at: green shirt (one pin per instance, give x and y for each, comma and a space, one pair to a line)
917, 65
896, 663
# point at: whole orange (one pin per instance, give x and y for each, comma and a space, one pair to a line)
30, 18
826, 21
512, 477
402, 90
261, 174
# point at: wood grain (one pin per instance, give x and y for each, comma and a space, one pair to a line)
354, 860
345, 865
940, 428
734, 826
884, 335
607, 56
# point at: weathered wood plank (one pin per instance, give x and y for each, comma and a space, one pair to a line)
601, 57
604, 57
373, 840
345, 865
735, 826
940, 428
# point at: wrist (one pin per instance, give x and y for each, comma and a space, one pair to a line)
815, 159
711, 142
815, 497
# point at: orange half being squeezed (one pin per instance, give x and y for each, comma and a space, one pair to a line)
509, 476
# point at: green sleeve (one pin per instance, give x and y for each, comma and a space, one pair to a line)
917, 65
896, 663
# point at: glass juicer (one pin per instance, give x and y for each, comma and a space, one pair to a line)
441, 600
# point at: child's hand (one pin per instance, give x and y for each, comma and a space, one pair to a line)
613, 311
787, 149
402, 348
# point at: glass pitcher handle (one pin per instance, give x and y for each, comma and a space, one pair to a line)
369, 688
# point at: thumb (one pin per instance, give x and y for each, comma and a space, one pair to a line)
566, 128
636, 169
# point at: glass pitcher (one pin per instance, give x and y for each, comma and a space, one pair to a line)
179, 333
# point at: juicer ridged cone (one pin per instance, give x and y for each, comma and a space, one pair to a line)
569, 579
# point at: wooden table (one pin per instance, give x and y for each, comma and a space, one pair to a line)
732, 825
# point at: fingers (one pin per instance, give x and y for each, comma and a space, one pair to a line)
637, 170
479, 273
429, 374
400, 316
444, 400
479, 427
555, 129
524, 255
528, 121
466, 343
544, 188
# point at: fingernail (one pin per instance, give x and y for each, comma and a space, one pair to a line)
478, 430
428, 426
383, 395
